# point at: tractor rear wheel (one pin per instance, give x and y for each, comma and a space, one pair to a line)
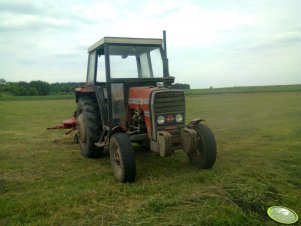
205, 154
122, 158
89, 127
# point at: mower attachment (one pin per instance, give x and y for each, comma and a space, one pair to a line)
67, 124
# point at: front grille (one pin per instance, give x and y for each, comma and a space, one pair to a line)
168, 103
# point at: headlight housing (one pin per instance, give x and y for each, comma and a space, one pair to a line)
179, 117
160, 119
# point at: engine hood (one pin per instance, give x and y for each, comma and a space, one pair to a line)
139, 97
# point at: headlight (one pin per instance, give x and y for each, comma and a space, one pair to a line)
160, 119
179, 117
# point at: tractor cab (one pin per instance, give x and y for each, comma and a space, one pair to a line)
127, 99
117, 64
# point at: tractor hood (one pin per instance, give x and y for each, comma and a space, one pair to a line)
139, 97
159, 102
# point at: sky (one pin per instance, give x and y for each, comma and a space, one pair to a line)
210, 43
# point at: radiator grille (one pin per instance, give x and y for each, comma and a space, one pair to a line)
170, 103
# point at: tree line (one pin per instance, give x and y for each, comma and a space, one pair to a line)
41, 88
36, 88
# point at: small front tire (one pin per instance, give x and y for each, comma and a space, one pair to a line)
205, 154
122, 158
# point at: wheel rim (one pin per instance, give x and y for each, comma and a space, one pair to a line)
122, 157
116, 161
197, 156
116, 156
81, 128
198, 151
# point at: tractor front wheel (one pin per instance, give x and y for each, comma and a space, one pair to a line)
122, 158
205, 154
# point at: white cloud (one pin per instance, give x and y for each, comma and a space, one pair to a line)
216, 43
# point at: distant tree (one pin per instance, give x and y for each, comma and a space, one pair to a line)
33, 91
65, 87
43, 88
12, 88
35, 88
22, 91
2, 81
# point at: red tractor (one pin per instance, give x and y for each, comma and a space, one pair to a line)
127, 99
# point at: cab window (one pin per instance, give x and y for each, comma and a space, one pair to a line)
91, 67
135, 62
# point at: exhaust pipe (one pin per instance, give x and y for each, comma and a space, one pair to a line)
166, 67
164, 44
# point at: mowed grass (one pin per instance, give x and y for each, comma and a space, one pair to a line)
45, 181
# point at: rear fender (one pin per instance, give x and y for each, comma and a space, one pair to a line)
84, 91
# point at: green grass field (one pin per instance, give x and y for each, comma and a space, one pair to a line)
45, 181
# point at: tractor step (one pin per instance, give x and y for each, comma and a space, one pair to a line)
100, 145
139, 137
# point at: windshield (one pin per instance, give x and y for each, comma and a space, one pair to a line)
135, 62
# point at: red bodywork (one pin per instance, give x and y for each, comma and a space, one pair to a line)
139, 98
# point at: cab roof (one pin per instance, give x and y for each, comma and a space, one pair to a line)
130, 41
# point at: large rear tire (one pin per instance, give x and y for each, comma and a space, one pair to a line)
205, 154
122, 158
89, 127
